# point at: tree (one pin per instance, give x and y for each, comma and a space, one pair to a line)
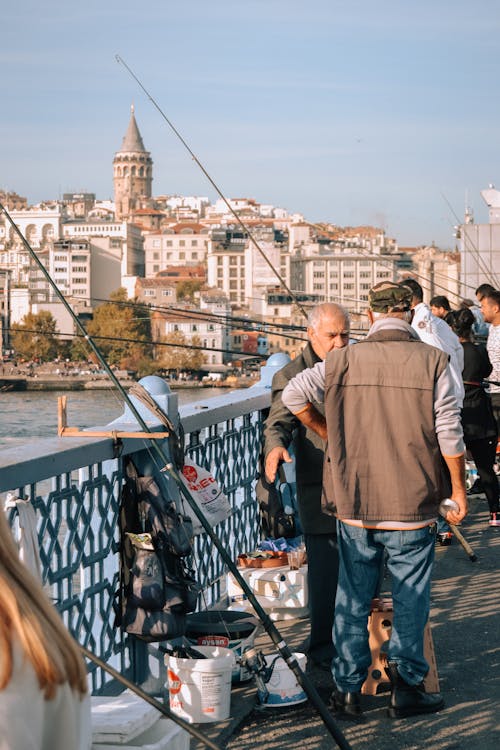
186, 289
180, 355
35, 337
118, 319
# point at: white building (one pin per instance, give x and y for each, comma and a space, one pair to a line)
238, 268
205, 323
480, 247
181, 244
342, 275
40, 226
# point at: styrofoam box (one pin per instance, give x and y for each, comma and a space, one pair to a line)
282, 592
126, 721
163, 735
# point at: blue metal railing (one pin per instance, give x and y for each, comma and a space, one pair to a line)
74, 485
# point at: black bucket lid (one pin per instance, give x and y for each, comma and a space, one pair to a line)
221, 622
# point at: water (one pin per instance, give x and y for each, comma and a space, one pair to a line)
26, 416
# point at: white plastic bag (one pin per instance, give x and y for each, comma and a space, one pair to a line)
207, 494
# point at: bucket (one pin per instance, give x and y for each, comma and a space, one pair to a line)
200, 689
281, 683
233, 630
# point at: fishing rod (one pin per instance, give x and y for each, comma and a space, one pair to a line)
251, 237
168, 467
148, 698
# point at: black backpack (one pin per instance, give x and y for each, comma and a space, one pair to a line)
156, 590
275, 522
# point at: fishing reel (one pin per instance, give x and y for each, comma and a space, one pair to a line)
255, 662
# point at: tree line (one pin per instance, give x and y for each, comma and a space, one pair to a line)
122, 333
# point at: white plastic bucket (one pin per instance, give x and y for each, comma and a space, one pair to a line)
227, 629
282, 685
200, 689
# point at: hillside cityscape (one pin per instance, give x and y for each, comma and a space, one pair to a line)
213, 276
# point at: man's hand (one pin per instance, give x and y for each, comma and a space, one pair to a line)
455, 516
273, 460
456, 466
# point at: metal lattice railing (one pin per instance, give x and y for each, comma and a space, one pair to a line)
74, 486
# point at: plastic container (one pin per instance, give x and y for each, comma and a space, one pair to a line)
233, 630
200, 689
281, 683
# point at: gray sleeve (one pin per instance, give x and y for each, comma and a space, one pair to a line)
447, 419
306, 387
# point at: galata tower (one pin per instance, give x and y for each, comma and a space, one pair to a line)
132, 172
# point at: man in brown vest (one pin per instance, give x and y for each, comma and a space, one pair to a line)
391, 415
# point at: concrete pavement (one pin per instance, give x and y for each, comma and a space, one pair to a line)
465, 619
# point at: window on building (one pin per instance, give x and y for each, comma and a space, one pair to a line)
182, 243
156, 256
156, 269
166, 292
148, 292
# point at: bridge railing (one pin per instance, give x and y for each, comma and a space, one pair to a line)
74, 485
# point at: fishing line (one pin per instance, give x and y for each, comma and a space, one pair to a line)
254, 242
118, 339
165, 461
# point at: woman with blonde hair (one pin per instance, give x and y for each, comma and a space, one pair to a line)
44, 702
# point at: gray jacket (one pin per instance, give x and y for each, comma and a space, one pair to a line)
282, 428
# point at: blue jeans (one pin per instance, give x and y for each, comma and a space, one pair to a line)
410, 555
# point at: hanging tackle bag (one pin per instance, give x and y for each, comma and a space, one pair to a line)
157, 590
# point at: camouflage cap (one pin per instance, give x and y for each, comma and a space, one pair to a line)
387, 296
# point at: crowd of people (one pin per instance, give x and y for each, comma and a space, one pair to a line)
380, 431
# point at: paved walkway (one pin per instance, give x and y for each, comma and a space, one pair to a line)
465, 618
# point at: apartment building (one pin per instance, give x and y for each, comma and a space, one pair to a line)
205, 322
480, 246
158, 292
344, 274
180, 244
239, 269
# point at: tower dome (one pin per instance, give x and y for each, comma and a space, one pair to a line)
132, 171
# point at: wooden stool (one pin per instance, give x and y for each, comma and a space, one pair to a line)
379, 629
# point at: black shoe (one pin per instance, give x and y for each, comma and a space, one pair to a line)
476, 489
346, 705
324, 665
410, 700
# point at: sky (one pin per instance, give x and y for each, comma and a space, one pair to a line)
350, 112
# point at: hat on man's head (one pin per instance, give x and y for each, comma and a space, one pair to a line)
387, 296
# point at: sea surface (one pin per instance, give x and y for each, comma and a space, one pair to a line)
26, 416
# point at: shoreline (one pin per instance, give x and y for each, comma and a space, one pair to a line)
13, 383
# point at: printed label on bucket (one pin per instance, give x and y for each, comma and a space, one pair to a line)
213, 640
174, 682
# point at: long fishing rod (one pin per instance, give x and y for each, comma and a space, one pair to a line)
165, 462
251, 237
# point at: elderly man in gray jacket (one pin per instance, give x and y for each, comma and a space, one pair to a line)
328, 330
391, 415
